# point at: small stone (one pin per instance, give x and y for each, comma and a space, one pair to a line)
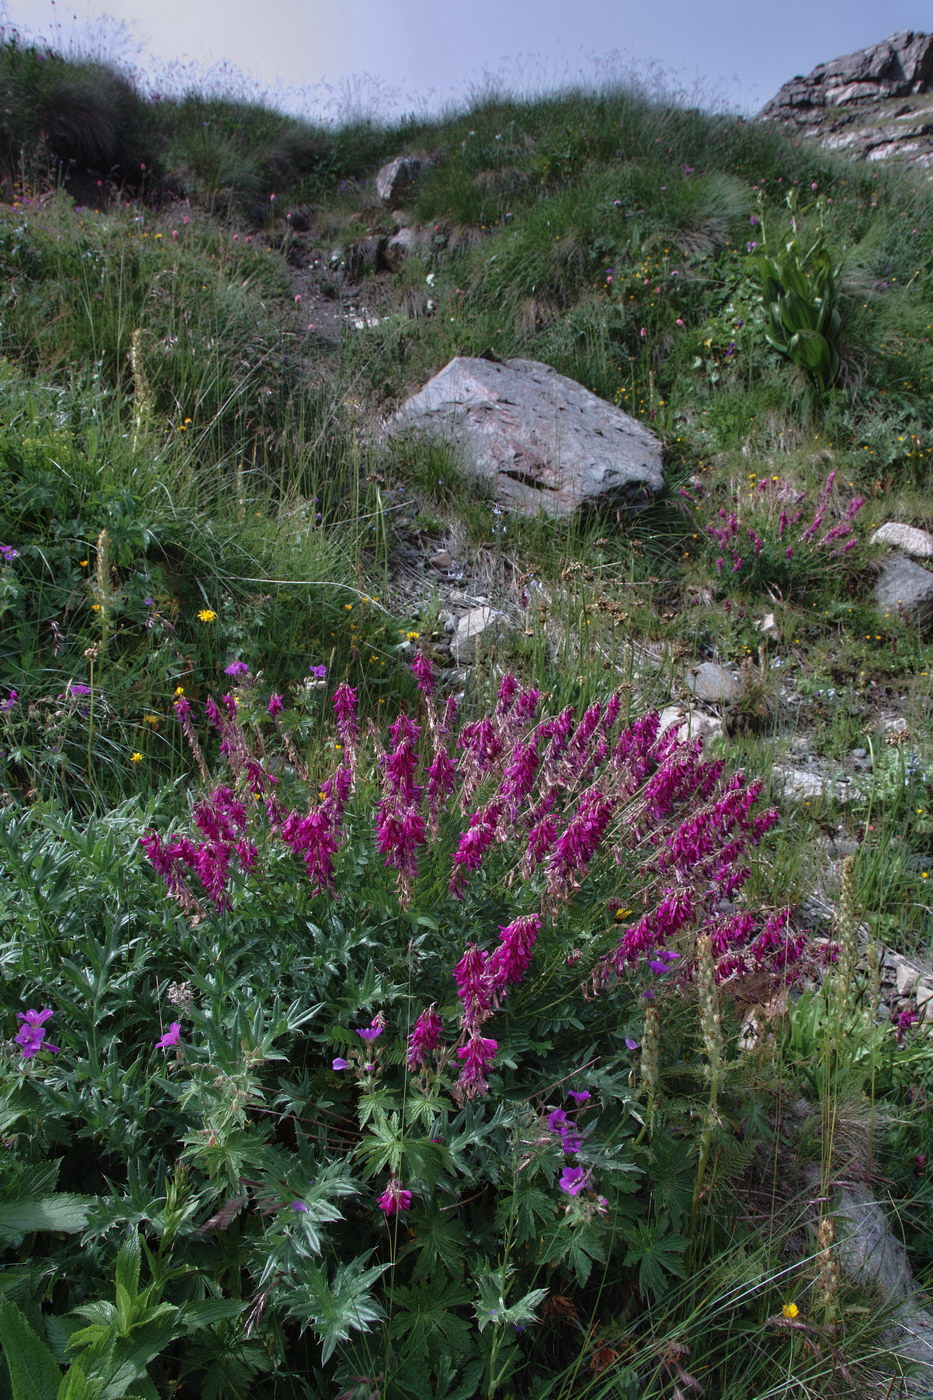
470, 627
713, 683
695, 724
441, 560
768, 627
906, 977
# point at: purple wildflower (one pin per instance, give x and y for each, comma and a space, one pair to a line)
369, 1033
580, 1095
510, 961
31, 1035
573, 1180
313, 838
344, 704
8, 552
237, 668
10, 701
300, 1207
275, 706
340, 1063
171, 1037
319, 672
473, 845
473, 987
394, 1198
477, 1056
425, 1037
422, 669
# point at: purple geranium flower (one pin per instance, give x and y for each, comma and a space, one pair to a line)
9, 552
340, 1063
77, 688
171, 1037
579, 1095
10, 701
300, 1207
573, 1180
31, 1035
237, 668
369, 1032
319, 672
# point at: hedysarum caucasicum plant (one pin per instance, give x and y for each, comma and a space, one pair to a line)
550, 811
775, 521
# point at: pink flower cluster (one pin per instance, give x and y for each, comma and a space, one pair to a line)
548, 801
728, 531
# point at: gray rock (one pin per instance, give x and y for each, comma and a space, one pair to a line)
398, 178
540, 441
402, 245
478, 622
713, 683
808, 785
906, 977
905, 589
907, 538
869, 1252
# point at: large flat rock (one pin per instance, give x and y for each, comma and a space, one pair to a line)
540, 441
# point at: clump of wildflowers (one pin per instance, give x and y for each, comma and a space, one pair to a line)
550, 804
771, 525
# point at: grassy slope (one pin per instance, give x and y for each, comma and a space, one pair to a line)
163, 389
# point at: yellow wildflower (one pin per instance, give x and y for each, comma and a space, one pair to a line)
207, 615
790, 1311
136, 758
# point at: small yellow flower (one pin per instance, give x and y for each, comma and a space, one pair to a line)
207, 615
82, 563
153, 720
790, 1311
621, 914
179, 690
95, 607
348, 607
136, 758
412, 636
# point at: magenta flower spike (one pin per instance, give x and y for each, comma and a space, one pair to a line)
425, 1037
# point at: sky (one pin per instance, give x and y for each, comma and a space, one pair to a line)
337, 58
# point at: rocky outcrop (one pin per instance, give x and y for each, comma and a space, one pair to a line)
540, 441
876, 104
399, 178
905, 590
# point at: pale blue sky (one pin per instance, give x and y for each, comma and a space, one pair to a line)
412, 55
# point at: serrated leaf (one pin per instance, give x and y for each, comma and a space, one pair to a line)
64, 1213
34, 1372
207, 1311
